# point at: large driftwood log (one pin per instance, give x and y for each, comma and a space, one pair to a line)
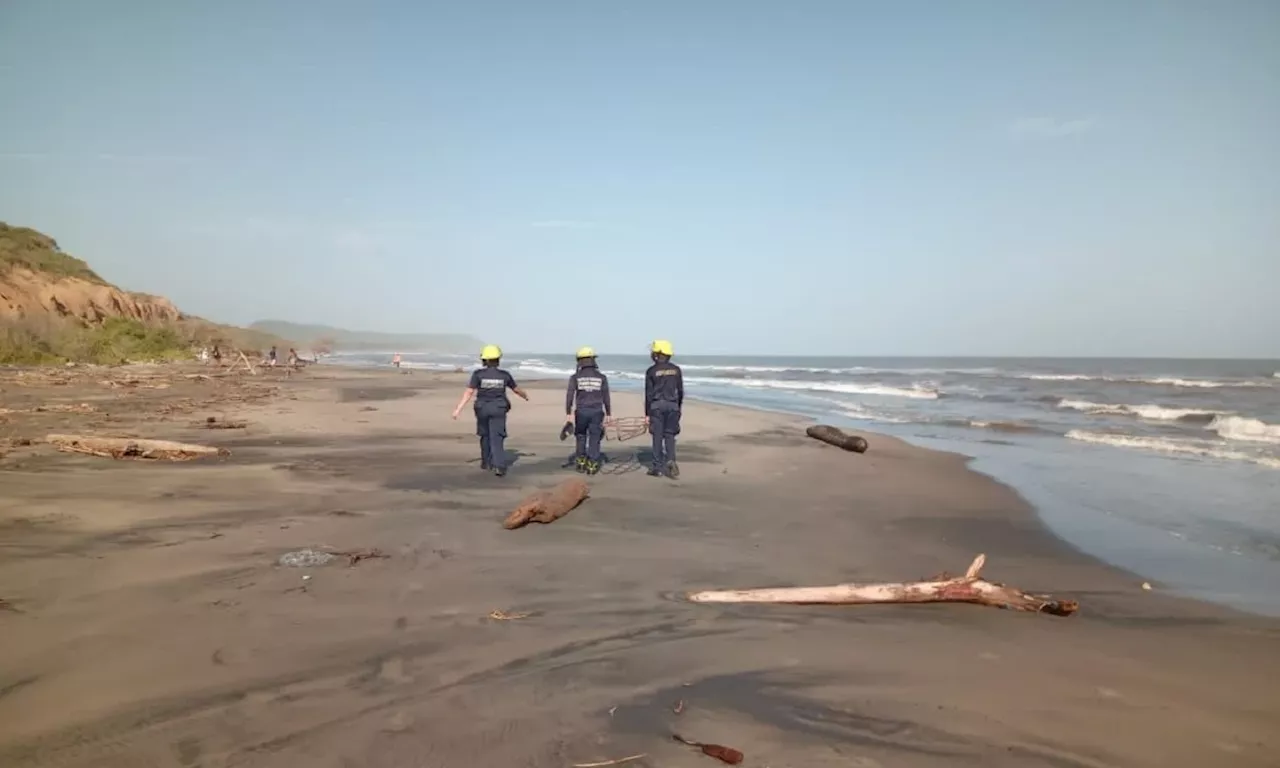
132, 448
970, 588
838, 438
547, 506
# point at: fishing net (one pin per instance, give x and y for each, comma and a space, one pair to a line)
626, 428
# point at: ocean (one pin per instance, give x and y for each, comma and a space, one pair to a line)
1167, 468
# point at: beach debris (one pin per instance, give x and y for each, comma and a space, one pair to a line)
499, 615
718, 751
627, 427
1146, 586
837, 437
132, 448
213, 423
55, 408
679, 707
305, 558
548, 506
970, 588
619, 761
308, 558
5, 605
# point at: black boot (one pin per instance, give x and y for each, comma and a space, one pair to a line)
673, 470
500, 471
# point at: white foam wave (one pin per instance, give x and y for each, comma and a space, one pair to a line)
858, 413
1242, 428
916, 392
1200, 448
1168, 381
538, 367
1149, 411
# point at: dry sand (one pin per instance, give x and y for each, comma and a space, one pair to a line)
151, 626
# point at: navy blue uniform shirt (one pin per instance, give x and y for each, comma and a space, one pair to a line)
590, 388
663, 382
491, 385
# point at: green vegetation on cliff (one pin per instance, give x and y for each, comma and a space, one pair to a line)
116, 340
35, 330
25, 247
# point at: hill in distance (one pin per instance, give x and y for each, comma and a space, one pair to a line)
368, 341
54, 308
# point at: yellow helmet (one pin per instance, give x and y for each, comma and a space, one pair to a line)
662, 347
585, 352
491, 352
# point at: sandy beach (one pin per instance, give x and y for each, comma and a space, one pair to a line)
146, 620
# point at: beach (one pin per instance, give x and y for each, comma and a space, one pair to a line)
150, 623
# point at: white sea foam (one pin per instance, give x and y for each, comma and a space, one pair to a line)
1242, 428
1167, 381
1203, 448
1149, 411
915, 392
857, 412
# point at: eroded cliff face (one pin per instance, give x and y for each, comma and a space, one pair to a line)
28, 295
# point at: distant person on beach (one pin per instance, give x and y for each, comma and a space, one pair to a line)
294, 360
489, 385
271, 356
217, 355
663, 402
395, 359
587, 406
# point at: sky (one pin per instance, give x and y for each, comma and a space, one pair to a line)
1091, 178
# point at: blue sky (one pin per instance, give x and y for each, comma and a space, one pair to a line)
1085, 178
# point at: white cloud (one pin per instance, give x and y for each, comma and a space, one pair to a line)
1050, 127
562, 224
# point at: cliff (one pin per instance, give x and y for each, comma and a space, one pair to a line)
53, 307
38, 280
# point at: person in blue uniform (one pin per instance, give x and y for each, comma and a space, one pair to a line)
489, 385
663, 402
588, 407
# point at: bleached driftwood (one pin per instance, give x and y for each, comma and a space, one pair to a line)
833, 436
970, 588
548, 506
132, 448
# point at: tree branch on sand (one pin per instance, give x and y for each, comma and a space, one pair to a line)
832, 436
548, 506
132, 448
970, 588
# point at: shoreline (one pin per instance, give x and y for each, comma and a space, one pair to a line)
220, 656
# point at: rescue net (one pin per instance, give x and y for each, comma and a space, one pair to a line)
627, 427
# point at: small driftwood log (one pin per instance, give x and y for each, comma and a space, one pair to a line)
838, 438
548, 506
132, 448
970, 588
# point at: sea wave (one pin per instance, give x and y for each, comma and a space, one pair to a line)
858, 413
1202, 448
1242, 428
1015, 427
1149, 411
846, 388
1167, 381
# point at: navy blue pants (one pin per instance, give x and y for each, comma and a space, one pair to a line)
664, 425
491, 426
588, 427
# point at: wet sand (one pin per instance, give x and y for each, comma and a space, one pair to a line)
150, 624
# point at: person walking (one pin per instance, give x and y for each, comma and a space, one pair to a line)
588, 407
663, 403
489, 385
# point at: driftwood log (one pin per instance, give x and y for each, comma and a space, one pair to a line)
132, 448
837, 437
969, 588
548, 506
